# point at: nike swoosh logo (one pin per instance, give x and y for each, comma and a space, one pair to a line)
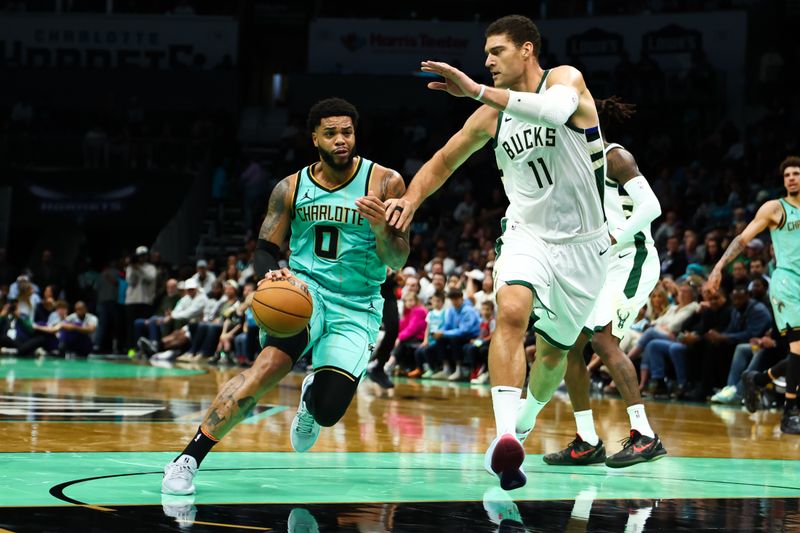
604, 251
505, 390
507, 119
640, 449
578, 455
624, 256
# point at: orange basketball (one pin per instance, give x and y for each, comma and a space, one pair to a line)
283, 307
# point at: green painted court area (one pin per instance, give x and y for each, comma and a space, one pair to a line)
51, 368
230, 477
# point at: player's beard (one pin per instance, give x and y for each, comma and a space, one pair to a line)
328, 158
794, 194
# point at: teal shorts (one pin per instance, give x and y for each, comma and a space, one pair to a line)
343, 329
784, 293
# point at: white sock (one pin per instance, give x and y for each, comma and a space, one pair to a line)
526, 418
639, 420
505, 401
585, 422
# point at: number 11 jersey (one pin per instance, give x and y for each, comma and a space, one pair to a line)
553, 177
331, 243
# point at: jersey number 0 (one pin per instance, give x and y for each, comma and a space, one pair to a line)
326, 241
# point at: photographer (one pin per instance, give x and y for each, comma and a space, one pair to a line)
141, 292
16, 331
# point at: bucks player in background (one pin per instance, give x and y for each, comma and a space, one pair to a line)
782, 217
341, 246
633, 272
553, 251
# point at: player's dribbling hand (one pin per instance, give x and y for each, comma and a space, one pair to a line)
455, 82
399, 213
282, 274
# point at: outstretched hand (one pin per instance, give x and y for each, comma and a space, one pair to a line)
399, 213
455, 82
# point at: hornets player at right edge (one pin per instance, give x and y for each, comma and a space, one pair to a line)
553, 251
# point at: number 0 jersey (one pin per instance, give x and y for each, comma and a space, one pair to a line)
553, 177
330, 241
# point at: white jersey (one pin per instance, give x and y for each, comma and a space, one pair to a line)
618, 208
553, 177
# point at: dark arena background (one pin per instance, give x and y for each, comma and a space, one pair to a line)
146, 136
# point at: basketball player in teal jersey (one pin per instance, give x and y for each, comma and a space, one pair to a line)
782, 217
552, 258
340, 247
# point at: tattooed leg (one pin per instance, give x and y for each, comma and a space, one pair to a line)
240, 394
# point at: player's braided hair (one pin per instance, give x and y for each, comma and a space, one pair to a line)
613, 110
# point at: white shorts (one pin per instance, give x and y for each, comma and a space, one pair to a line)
632, 275
565, 277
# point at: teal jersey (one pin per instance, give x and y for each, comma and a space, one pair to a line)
331, 242
786, 238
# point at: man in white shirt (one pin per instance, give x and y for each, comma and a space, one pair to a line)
141, 292
204, 278
77, 331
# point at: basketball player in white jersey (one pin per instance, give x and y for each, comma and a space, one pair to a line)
633, 272
552, 254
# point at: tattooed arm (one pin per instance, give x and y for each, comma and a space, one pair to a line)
274, 228
768, 216
392, 244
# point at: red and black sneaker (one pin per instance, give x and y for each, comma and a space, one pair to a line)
636, 449
577, 453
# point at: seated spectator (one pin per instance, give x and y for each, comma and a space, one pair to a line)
25, 277
437, 283
759, 291
188, 309
46, 305
753, 356
203, 277
150, 328
231, 327
749, 319
205, 335
665, 327
16, 331
461, 325
77, 331
410, 334
425, 353
673, 260
476, 353
689, 344
486, 293
49, 329
27, 298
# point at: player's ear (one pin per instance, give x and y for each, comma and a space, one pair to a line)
314, 138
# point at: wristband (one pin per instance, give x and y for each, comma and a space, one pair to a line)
480, 93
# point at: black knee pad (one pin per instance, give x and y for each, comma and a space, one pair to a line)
330, 395
293, 346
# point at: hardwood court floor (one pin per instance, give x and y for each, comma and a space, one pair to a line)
407, 459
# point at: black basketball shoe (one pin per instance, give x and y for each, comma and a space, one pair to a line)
377, 375
637, 449
790, 422
577, 453
752, 392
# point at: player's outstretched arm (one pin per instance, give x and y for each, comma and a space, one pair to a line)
622, 168
391, 244
478, 129
768, 216
274, 228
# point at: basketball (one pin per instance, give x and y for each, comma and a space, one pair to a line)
282, 307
